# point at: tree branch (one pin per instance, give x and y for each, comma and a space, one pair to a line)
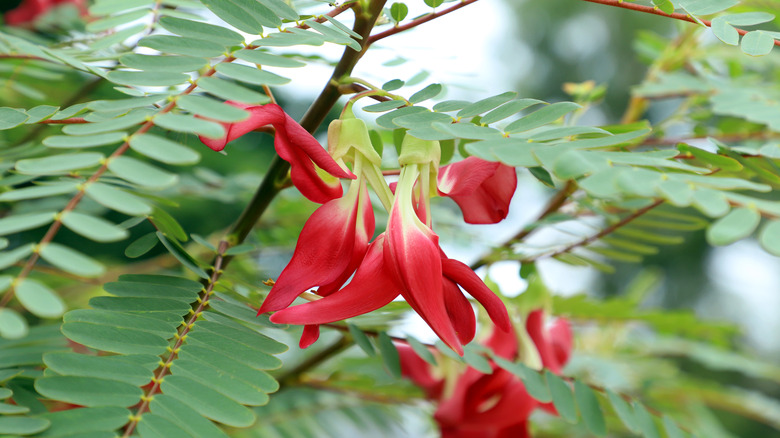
555, 203
606, 231
417, 22
654, 11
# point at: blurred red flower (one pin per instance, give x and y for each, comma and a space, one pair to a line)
29, 10
495, 405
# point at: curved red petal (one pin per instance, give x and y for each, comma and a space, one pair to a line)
413, 250
364, 230
371, 288
461, 274
419, 371
482, 189
300, 138
324, 251
303, 173
504, 343
309, 336
561, 337
465, 176
536, 330
259, 116
460, 312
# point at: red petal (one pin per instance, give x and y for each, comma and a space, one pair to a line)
300, 138
413, 250
323, 253
310, 335
419, 371
364, 230
460, 312
561, 338
371, 288
482, 189
461, 274
259, 116
304, 176
545, 342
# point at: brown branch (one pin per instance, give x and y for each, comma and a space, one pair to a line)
414, 23
730, 138
655, 11
70, 121
163, 370
313, 361
606, 231
333, 13
555, 203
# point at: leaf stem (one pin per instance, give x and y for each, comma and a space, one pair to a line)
180, 336
655, 11
555, 203
418, 21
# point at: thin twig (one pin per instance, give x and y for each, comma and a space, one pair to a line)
180, 336
606, 231
656, 11
414, 23
555, 203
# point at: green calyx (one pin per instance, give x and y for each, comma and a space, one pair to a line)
349, 133
416, 151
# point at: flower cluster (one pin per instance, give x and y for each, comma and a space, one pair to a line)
29, 10
472, 404
335, 252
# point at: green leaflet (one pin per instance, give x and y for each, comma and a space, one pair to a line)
389, 354
175, 64
562, 397
590, 409
231, 91
250, 75
92, 227
89, 391
71, 261
184, 417
195, 29
58, 164
164, 150
39, 299
245, 15
22, 222
212, 109
183, 46
207, 401
738, 224
141, 173
12, 324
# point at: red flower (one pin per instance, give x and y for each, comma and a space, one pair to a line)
330, 248
492, 405
294, 145
482, 189
405, 260
29, 10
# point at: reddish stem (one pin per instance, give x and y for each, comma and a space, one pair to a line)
655, 11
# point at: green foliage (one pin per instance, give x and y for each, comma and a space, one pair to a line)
158, 354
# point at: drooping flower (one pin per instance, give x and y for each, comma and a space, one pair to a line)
29, 10
405, 260
492, 405
482, 189
307, 158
